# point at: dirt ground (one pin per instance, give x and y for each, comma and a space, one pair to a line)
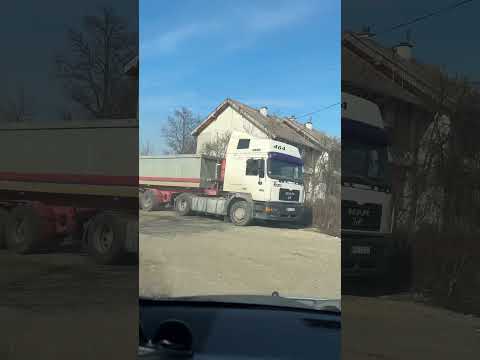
62, 306
196, 256
381, 328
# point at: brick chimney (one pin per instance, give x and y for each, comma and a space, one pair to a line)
404, 50
309, 124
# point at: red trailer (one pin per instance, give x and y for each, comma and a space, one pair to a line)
196, 174
69, 179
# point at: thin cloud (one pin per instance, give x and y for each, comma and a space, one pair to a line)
170, 41
150, 104
237, 30
249, 26
269, 20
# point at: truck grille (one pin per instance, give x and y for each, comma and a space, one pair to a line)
289, 195
361, 217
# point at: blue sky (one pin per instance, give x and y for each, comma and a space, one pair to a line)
281, 54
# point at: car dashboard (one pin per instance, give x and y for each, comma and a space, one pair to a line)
247, 328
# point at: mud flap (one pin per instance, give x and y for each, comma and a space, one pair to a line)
131, 242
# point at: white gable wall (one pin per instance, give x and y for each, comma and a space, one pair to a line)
228, 120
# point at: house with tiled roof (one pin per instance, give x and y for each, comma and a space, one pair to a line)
232, 115
131, 67
410, 95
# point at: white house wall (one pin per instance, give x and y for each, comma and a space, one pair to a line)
229, 120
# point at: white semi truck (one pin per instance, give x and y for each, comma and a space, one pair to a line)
257, 179
366, 189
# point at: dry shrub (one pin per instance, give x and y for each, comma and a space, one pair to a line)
326, 215
445, 267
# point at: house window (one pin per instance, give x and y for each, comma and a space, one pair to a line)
243, 144
252, 167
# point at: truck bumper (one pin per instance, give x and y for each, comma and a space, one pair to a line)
278, 211
366, 256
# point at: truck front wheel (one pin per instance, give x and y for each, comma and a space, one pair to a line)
241, 213
183, 204
106, 239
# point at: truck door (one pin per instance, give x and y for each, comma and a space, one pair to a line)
255, 178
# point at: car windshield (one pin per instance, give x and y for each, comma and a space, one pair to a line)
233, 196
364, 161
285, 168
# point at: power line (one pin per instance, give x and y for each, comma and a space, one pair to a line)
428, 15
398, 26
316, 111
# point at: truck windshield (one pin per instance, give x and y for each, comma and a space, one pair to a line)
365, 161
285, 167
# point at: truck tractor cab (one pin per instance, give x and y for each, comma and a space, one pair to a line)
267, 171
366, 189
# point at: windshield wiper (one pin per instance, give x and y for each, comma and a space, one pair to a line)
319, 304
285, 178
255, 300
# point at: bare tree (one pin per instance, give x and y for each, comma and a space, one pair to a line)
218, 146
429, 156
324, 186
441, 210
177, 131
93, 68
146, 148
18, 107
249, 128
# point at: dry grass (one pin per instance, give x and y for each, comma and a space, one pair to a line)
325, 215
445, 268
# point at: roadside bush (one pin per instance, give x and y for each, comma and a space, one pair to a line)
445, 267
326, 215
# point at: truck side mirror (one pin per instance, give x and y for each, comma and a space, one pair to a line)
261, 168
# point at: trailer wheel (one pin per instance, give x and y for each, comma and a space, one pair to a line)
241, 213
183, 204
4, 218
106, 239
24, 230
148, 201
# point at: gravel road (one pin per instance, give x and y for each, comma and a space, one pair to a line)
198, 255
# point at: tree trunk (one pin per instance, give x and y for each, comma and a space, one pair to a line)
414, 173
